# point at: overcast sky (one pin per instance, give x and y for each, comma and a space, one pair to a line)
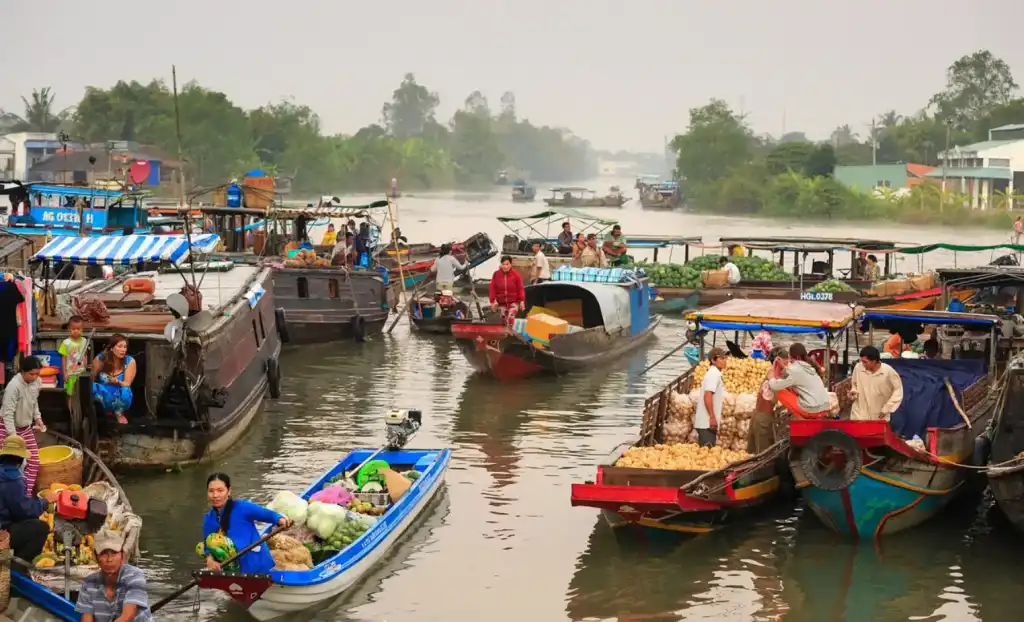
622, 73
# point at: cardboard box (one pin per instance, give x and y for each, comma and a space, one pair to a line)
715, 278
540, 327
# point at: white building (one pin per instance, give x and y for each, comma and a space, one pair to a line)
7, 150
30, 148
982, 170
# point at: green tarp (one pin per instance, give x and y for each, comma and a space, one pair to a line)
565, 212
927, 248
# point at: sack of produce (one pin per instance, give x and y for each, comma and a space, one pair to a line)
676, 431
335, 494
680, 408
745, 405
923, 282
715, 278
290, 552
291, 505
323, 518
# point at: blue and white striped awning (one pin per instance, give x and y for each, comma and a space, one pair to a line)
107, 250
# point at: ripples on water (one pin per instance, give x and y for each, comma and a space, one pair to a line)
502, 542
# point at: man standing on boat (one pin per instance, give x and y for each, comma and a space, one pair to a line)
712, 397
541, 267
877, 389
615, 247
565, 239
117, 593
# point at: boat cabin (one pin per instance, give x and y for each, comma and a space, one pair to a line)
959, 336
800, 248
205, 347
53, 210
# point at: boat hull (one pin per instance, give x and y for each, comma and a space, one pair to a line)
1007, 486
321, 305
492, 349
886, 496
270, 599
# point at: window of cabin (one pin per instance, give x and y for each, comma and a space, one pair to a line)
255, 335
263, 330
303, 285
332, 287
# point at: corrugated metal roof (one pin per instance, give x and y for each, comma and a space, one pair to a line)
1011, 126
975, 147
979, 172
11, 243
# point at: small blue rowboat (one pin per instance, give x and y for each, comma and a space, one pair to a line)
280, 593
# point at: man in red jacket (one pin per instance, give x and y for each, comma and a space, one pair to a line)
507, 291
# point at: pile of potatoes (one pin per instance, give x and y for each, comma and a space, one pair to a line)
740, 375
680, 456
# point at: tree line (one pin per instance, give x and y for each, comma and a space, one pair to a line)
725, 167
221, 140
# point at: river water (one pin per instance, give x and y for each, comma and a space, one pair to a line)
503, 543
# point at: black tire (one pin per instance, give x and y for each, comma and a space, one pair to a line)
282, 324
274, 378
359, 328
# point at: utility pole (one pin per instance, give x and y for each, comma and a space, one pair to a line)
945, 162
874, 145
181, 160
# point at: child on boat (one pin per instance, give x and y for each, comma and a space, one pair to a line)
72, 351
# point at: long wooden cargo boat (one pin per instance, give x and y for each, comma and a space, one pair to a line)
1006, 438
678, 500
285, 592
867, 479
599, 322
39, 593
583, 197
195, 394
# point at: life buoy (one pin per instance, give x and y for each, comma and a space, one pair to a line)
274, 378
359, 328
282, 324
831, 460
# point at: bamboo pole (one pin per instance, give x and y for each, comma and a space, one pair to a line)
401, 273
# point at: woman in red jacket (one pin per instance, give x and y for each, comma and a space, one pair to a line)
507, 290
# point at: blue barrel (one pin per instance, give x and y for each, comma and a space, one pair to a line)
234, 196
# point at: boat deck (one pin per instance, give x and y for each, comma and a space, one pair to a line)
219, 289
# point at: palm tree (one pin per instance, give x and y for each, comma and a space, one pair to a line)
39, 116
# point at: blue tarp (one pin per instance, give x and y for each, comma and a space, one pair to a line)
926, 403
126, 249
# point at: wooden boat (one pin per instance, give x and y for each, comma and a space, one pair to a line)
196, 394
1006, 439
605, 320
522, 192
320, 302
583, 197
664, 195
663, 306
475, 250
286, 592
435, 313
865, 479
679, 501
39, 594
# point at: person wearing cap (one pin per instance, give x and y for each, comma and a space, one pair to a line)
712, 397
19, 512
21, 416
117, 593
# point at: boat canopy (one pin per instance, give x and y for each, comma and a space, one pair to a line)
927, 248
572, 189
605, 305
783, 316
662, 241
560, 214
813, 244
888, 318
982, 276
126, 249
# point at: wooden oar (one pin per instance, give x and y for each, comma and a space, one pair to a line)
658, 362
956, 403
180, 591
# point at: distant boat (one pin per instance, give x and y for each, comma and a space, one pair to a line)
502, 179
522, 192
583, 197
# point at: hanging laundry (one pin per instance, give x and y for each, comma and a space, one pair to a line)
11, 300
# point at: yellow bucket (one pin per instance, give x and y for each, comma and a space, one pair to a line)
55, 454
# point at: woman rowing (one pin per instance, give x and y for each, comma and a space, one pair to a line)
236, 520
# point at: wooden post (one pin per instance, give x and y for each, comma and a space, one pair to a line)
401, 273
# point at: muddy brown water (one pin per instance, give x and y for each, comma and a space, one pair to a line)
502, 542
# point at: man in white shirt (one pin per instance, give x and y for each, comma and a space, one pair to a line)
712, 396
730, 267
876, 388
541, 267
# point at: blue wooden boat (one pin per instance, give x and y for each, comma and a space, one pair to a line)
54, 210
867, 479
269, 596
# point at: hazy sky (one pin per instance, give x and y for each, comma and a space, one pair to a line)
620, 73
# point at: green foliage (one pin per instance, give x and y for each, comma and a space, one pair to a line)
220, 140
38, 116
725, 169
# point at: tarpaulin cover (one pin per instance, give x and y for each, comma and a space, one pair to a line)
926, 402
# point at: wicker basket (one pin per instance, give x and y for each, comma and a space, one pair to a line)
5, 571
64, 472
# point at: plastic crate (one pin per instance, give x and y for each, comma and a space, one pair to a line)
379, 499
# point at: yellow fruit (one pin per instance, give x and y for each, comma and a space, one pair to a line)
680, 456
46, 562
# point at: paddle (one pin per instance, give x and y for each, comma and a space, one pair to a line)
180, 591
671, 352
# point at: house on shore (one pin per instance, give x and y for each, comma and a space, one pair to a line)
988, 171
869, 177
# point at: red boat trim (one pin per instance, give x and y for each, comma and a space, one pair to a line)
638, 497
867, 434
923, 294
848, 510
245, 588
895, 513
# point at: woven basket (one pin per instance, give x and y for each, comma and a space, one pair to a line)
64, 472
5, 572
